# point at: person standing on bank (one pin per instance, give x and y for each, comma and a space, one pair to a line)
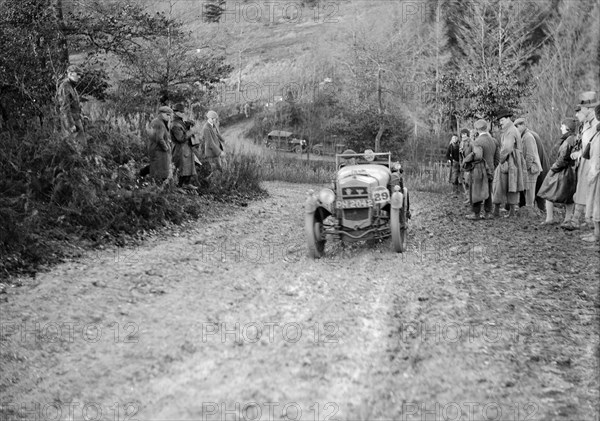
484, 155
159, 148
68, 101
532, 161
509, 177
587, 102
558, 186
213, 142
183, 156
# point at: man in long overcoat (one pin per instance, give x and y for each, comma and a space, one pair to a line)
183, 157
213, 141
484, 153
159, 147
587, 102
509, 177
532, 161
68, 101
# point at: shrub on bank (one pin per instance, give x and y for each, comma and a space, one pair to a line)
53, 190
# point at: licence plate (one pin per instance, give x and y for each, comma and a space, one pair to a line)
354, 203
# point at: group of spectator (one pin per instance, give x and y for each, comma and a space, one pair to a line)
174, 144
176, 147
513, 173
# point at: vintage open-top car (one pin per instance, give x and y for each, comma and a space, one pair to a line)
368, 201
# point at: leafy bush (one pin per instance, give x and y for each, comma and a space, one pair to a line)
53, 189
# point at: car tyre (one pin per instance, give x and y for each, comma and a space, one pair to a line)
398, 228
317, 152
314, 236
298, 149
272, 146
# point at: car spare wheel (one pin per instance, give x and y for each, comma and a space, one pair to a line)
398, 228
315, 236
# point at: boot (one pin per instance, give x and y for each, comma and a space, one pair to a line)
511, 211
496, 213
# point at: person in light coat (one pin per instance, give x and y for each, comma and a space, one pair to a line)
509, 177
213, 142
592, 206
587, 102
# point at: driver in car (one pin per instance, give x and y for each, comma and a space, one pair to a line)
348, 161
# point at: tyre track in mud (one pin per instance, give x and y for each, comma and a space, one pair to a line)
455, 326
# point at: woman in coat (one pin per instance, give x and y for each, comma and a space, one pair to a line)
159, 147
563, 163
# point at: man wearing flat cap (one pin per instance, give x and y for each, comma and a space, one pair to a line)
585, 114
68, 101
532, 162
509, 177
213, 141
183, 156
485, 156
159, 146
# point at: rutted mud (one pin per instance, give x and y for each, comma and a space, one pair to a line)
230, 320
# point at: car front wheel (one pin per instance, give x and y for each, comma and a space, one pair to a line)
315, 236
398, 228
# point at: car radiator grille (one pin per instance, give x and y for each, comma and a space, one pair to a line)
356, 214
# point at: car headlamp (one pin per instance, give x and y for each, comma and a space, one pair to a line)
326, 196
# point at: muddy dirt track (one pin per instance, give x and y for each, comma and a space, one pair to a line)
227, 319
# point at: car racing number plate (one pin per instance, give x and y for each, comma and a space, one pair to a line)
354, 203
381, 194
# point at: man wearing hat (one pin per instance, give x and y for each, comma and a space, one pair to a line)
68, 100
585, 114
509, 177
484, 153
159, 147
213, 141
183, 156
532, 162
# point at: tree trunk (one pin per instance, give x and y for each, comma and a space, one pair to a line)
64, 49
379, 134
